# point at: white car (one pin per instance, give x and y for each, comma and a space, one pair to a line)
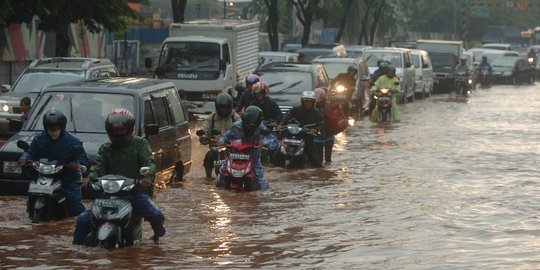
423, 73
400, 58
270, 56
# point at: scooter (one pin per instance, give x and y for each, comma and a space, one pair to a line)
114, 225
46, 200
238, 173
205, 139
383, 102
293, 143
485, 78
463, 84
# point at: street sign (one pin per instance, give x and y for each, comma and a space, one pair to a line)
328, 34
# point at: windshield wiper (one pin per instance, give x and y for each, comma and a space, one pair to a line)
288, 87
274, 84
198, 67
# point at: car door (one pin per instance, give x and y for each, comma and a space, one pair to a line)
182, 145
157, 112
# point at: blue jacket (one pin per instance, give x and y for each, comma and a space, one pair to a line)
43, 147
236, 132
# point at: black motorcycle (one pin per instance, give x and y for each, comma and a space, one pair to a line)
290, 152
219, 150
463, 84
114, 225
46, 200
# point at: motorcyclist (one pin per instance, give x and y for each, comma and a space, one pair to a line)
124, 155
245, 95
387, 81
462, 71
306, 114
250, 128
531, 55
324, 142
222, 119
55, 143
348, 80
270, 109
383, 68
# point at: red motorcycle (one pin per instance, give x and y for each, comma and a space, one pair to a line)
238, 173
484, 77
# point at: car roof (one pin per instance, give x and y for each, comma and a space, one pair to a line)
285, 66
124, 85
386, 49
334, 59
73, 63
273, 53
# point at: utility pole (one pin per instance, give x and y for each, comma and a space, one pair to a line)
224, 9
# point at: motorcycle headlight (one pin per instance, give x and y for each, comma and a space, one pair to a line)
385, 90
5, 108
470, 81
340, 89
11, 167
111, 186
530, 59
46, 168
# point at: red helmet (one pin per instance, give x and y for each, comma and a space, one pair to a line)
320, 94
120, 125
259, 87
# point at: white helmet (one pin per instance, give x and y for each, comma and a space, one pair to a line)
308, 95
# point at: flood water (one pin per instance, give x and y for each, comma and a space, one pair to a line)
455, 185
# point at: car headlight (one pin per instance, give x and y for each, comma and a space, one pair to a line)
5, 108
11, 167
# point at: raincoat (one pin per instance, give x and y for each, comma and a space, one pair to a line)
385, 82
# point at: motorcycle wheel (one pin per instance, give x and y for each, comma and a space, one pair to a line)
108, 243
288, 164
38, 215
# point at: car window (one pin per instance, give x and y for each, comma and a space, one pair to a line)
160, 106
34, 80
322, 79
373, 57
175, 106
103, 73
226, 56
149, 118
406, 60
85, 112
364, 71
426, 60
333, 69
290, 82
416, 60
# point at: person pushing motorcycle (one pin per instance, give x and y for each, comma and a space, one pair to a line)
124, 155
387, 81
250, 128
55, 143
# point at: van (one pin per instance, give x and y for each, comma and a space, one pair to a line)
400, 58
159, 117
423, 73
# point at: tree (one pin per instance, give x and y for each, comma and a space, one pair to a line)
272, 24
305, 12
178, 10
56, 16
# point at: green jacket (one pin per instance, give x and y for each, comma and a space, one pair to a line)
125, 161
385, 82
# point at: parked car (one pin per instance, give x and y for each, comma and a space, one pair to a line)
337, 65
356, 50
423, 73
514, 70
498, 46
45, 72
400, 58
288, 80
155, 104
269, 56
313, 50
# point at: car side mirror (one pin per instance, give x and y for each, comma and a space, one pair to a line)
222, 64
23, 145
144, 171
151, 129
200, 132
148, 62
4, 88
396, 83
408, 65
14, 125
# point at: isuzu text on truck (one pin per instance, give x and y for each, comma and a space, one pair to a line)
208, 57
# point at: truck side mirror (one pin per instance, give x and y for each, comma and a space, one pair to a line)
222, 64
5, 88
148, 62
151, 129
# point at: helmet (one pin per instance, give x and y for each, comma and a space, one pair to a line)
120, 125
320, 94
352, 68
251, 79
259, 87
54, 118
392, 68
308, 96
251, 119
224, 100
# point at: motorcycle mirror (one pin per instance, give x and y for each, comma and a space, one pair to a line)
215, 132
200, 132
396, 83
23, 145
144, 171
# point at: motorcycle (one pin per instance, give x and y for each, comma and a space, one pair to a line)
238, 173
211, 141
383, 101
293, 143
114, 225
463, 84
46, 200
485, 78
342, 95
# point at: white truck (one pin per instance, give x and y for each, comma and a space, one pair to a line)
445, 56
209, 57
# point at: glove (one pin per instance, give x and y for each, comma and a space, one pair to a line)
145, 183
22, 161
74, 166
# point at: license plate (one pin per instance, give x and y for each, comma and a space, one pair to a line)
107, 203
239, 156
36, 188
292, 141
209, 96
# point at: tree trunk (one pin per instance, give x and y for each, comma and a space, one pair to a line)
62, 30
272, 24
305, 16
307, 27
376, 18
362, 39
343, 21
178, 9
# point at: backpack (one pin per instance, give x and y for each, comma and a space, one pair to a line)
336, 121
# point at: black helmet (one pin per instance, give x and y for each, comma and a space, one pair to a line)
223, 100
352, 68
251, 119
251, 80
55, 118
120, 124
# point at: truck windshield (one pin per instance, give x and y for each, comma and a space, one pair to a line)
190, 60
85, 112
